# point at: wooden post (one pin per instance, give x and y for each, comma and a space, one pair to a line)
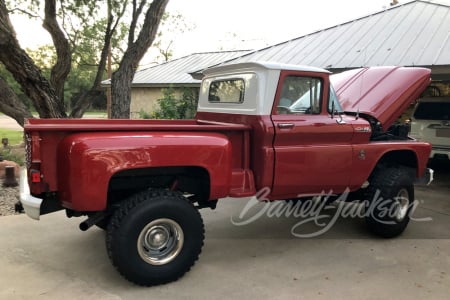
10, 177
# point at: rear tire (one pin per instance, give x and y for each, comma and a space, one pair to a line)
154, 237
390, 199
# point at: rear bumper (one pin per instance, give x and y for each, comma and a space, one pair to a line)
31, 204
427, 177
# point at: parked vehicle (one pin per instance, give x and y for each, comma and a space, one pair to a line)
259, 125
430, 122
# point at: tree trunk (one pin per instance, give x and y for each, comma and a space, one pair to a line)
25, 72
11, 105
123, 77
121, 91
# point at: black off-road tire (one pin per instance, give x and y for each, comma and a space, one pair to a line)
390, 200
154, 237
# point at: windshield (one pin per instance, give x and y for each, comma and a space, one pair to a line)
334, 100
303, 104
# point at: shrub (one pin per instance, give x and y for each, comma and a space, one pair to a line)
171, 107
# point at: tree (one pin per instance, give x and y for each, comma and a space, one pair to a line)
25, 72
68, 26
11, 105
122, 78
174, 25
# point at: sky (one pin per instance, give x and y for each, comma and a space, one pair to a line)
241, 24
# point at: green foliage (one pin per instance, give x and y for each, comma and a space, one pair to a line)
84, 23
12, 83
9, 79
144, 115
82, 74
44, 57
13, 154
173, 107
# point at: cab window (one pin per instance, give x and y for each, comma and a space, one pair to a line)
300, 95
226, 91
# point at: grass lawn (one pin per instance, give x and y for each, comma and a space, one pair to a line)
14, 136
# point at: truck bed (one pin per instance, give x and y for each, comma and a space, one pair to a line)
44, 137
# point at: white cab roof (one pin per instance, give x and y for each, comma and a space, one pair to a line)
262, 65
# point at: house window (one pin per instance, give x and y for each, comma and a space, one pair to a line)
226, 91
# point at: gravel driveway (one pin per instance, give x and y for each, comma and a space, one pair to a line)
9, 196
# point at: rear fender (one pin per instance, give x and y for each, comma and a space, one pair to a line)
87, 161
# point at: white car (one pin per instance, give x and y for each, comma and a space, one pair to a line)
430, 122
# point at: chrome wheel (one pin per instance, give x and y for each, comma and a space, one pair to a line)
160, 241
402, 204
154, 237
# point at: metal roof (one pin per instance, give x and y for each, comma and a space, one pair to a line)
416, 33
177, 70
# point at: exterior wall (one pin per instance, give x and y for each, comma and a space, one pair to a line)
146, 99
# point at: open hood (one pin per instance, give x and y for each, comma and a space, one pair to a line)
381, 92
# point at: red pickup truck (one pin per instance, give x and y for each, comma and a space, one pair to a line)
294, 130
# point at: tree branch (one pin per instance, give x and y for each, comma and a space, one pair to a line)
25, 72
31, 15
136, 13
61, 69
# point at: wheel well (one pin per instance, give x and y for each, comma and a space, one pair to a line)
405, 158
188, 179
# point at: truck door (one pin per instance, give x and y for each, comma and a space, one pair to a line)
313, 151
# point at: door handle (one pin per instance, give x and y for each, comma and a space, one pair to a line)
285, 125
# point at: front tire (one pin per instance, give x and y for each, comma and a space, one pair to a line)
154, 237
390, 200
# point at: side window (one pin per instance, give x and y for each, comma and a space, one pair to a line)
300, 95
226, 91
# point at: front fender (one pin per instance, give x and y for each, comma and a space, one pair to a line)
87, 161
367, 156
